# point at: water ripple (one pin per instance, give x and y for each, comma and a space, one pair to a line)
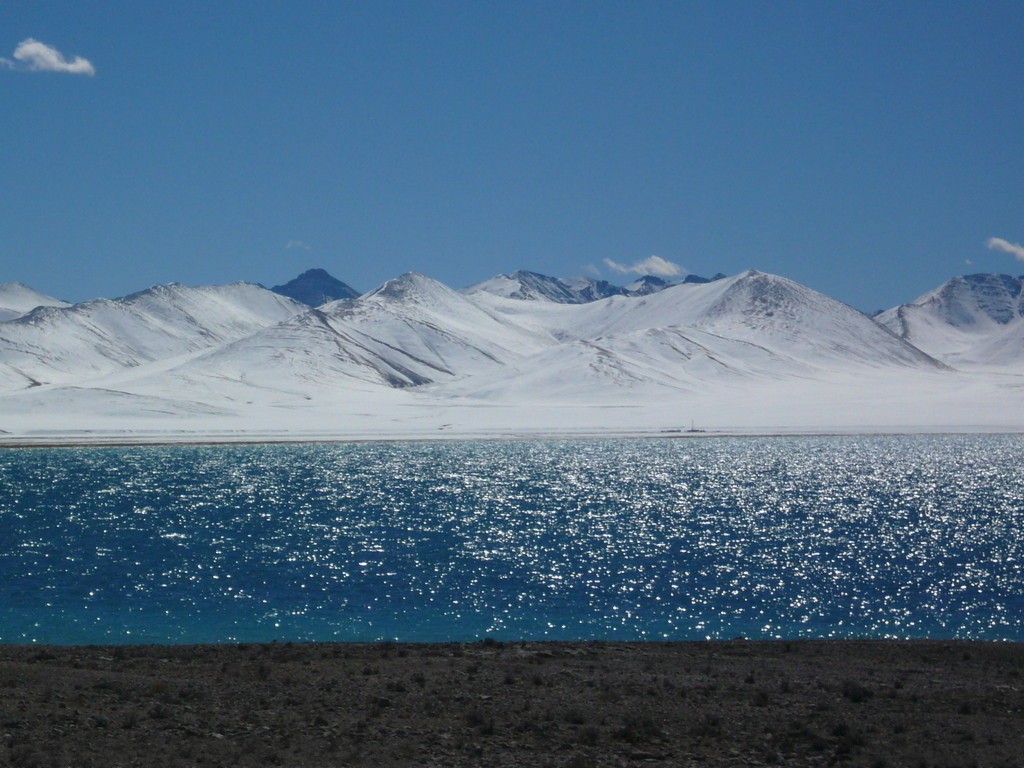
762, 537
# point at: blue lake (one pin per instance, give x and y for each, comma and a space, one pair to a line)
615, 539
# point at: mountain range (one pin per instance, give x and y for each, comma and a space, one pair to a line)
519, 353
573, 290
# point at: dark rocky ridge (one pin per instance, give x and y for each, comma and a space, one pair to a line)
315, 287
581, 290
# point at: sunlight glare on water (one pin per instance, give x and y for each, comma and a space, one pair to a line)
615, 539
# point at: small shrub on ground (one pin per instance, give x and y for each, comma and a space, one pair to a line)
856, 692
637, 728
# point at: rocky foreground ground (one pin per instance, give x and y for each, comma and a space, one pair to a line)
736, 703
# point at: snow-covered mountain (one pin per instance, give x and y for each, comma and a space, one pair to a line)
410, 331
692, 336
973, 320
416, 355
73, 343
17, 298
795, 320
315, 287
432, 329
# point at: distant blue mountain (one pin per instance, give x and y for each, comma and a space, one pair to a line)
315, 287
699, 279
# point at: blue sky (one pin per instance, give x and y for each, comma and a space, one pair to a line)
869, 150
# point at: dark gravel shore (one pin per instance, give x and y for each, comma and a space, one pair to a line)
736, 703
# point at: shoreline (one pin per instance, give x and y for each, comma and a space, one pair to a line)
123, 440
595, 703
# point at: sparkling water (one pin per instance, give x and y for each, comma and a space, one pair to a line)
615, 539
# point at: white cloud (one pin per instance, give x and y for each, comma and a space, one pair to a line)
292, 244
652, 265
34, 56
1014, 249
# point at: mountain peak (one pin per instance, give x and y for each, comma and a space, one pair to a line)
646, 284
968, 300
17, 299
315, 287
409, 285
968, 320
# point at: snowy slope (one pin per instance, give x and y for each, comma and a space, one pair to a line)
307, 355
426, 327
54, 344
301, 363
17, 298
973, 320
650, 364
